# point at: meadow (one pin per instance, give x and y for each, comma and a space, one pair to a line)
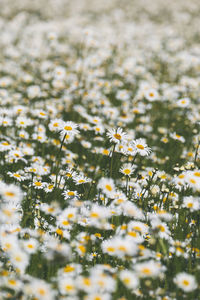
99, 150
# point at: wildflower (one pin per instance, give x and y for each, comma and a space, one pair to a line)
127, 169
19, 259
69, 128
4, 146
23, 122
39, 288
116, 135
55, 124
80, 179
186, 282
148, 269
30, 246
177, 137
191, 202
151, 95
107, 186
141, 147
183, 102
129, 279
10, 193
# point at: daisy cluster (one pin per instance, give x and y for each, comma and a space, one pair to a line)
99, 150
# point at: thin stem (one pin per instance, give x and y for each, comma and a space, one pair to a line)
196, 153
58, 160
111, 164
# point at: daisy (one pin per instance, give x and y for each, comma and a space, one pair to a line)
10, 193
81, 179
127, 169
151, 95
12, 283
17, 176
30, 246
69, 194
185, 281
19, 259
40, 289
55, 125
107, 186
116, 135
4, 146
191, 202
23, 122
129, 279
177, 137
185, 102
148, 269
141, 147
69, 127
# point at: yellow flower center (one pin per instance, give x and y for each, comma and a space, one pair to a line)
12, 281
186, 282
87, 281
9, 194
70, 193
110, 249
65, 223
108, 187
68, 269
146, 271
69, 287
127, 171
126, 280
42, 292
117, 136
94, 215
197, 174
68, 128
139, 146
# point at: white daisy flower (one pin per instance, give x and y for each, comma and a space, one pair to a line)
116, 135
185, 281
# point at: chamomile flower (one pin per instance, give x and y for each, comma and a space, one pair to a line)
23, 122
19, 259
30, 246
10, 193
127, 169
67, 286
141, 147
129, 279
107, 186
69, 127
183, 102
151, 95
81, 179
177, 137
186, 282
116, 135
16, 175
55, 124
192, 203
148, 269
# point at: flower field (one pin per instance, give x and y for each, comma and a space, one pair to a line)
99, 150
